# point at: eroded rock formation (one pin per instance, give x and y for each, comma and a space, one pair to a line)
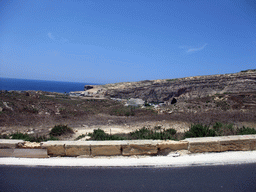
189, 87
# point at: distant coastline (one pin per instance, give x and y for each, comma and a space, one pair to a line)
41, 85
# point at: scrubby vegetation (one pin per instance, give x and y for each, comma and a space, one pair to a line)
56, 131
59, 130
145, 133
157, 133
218, 129
200, 130
80, 137
27, 137
99, 134
246, 131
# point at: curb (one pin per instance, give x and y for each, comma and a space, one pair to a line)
20, 148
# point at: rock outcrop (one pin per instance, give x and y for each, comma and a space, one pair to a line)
189, 87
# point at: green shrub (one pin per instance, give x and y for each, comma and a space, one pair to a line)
30, 138
145, 133
246, 131
199, 130
140, 134
228, 129
100, 135
58, 130
157, 127
217, 127
223, 129
115, 137
52, 138
22, 136
4, 136
80, 137
171, 131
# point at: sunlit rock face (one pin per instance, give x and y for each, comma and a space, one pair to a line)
183, 88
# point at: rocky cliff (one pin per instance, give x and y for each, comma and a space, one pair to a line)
189, 87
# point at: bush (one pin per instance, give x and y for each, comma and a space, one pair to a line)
58, 130
4, 136
52, 138
246, 131
30, 138
22, 136
100, 135
80, 137
171, 131
218, 128
198, 130
223, 129
145, 133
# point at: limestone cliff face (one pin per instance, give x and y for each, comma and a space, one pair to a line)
189, 87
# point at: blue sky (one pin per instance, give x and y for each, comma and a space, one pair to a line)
118, 41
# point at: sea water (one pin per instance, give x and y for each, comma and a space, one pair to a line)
40, 85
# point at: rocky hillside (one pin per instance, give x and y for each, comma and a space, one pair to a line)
183, 88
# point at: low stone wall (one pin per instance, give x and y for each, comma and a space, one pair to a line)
220, 144
110, 148
20, 148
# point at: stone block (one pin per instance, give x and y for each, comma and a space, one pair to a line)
6, 152
253, 143
140, 147
203, 144
77, 148
24, 153
54, 148
9, 143
235, 143
165, 147
106, 148
30, 153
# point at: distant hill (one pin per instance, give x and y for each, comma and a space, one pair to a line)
183, 88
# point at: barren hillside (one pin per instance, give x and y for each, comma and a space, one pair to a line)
229, 98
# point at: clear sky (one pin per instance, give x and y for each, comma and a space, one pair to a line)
118, 41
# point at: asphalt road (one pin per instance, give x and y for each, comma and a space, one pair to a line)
196, 178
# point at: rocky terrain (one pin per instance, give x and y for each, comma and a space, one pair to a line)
170, 103
183, 88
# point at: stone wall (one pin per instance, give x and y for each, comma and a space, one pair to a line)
19, 148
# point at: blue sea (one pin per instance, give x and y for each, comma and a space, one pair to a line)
40, 85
